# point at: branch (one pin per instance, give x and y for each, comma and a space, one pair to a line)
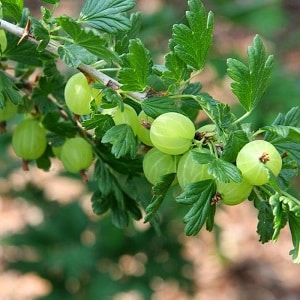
103, 78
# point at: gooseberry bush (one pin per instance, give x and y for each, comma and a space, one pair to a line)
133, 121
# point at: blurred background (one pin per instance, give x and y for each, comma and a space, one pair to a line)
54, 247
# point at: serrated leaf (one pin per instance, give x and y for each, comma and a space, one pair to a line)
294, 224
280, 216
199, 195
159, 192
194, 41
73, 55
100, 122
293, 210
41, 34
289, 144
220, 169
286, 132
155, 106
218, 112
175, 72
250, 82
289, 170
107, 16
122, 139
236, 140
51, 122
100, 203
89, 39
51, 1
25, 52
133, 76
103, 178
8, 91
123, 39
265, 225
12, 9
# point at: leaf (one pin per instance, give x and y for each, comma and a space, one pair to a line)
280, 216
87, 38
100, 122
194, 41
294, 224
122, 139
107, 16
288, 140
222, 170
293, 211
218, 112
282, 131
51, 121
25, 52
289, 170
51, 1
41, 34
12, 9
236, 140
159, 191
155, 106
73, 55
199, 195
133, 76
265, 225
250, 82
8, 91
103, 178
123, 39
175, 72
100, 203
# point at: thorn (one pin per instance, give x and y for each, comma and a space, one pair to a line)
26, 32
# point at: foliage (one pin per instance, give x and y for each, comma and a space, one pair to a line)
122, 70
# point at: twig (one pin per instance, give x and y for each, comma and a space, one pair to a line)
103, 78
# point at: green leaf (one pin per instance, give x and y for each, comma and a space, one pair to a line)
51, 1
288, 139
218, 112
199, 195
25, 52
122, 139
123, 39
265, 225
222, 170
194, 41
107, 16
286, 132
89, 39
8, 91
100, 122
236, 140
103, 178
73, 55
41, 34
280, 216
250, 82
289, 170
293, 210
52, 122
12, 9
155, 106
175, 72
159, 192
100, 203
133, 75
